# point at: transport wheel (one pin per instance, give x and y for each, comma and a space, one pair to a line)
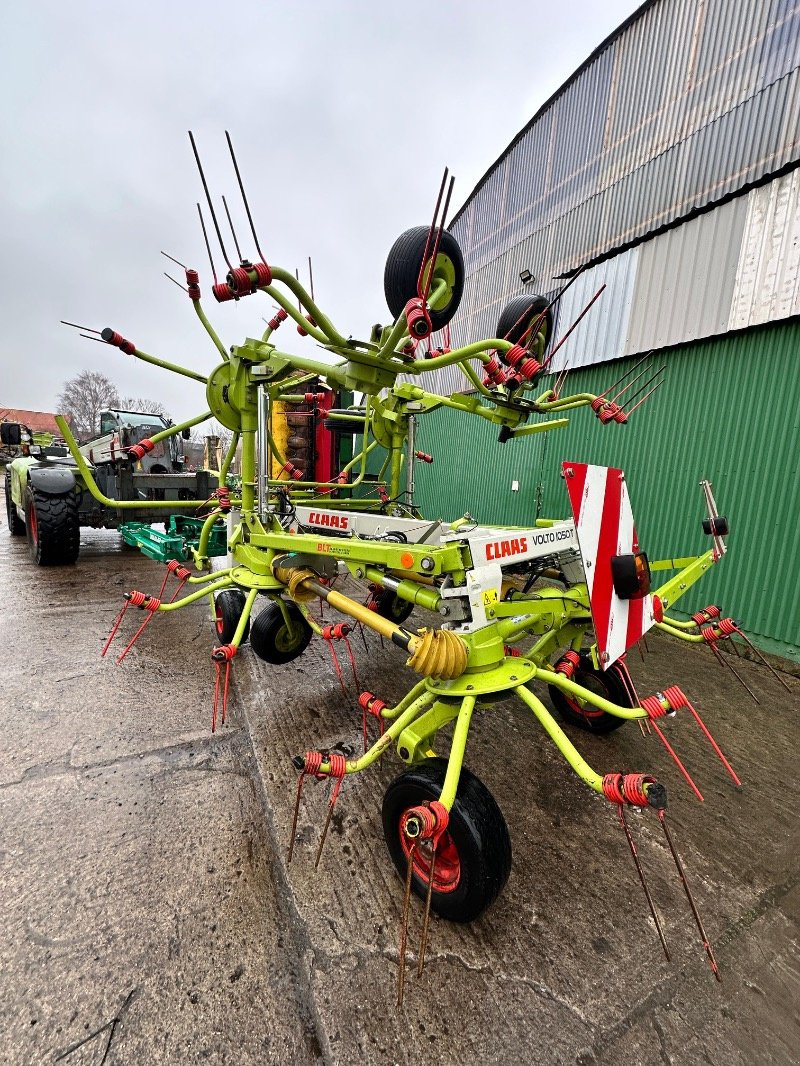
16, 527
272, 641
51, 524
605, 683
519, 314
402, 272
228, 607
473, 859
392, 607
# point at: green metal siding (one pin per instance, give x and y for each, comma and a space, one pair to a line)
729, 411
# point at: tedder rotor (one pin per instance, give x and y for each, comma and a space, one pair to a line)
555, 605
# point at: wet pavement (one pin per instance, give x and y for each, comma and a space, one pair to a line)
151, 917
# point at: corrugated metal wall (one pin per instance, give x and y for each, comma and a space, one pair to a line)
691, 103
733, 267
729, 411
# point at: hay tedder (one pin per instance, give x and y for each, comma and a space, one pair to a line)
556, 604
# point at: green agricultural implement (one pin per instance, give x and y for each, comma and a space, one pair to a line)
513, 611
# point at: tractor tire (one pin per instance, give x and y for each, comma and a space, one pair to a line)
402, 272
392, 607
52, 527
605, 683
519, 314
473, 859
228, 607
16, 527
270, 639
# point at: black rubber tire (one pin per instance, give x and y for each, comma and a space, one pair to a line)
228, 607
16, 527
52, 527
526, 309
392, 607
477, 835
269, 636
606, 683
402, 272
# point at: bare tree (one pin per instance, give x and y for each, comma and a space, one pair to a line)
84, 397
149, 407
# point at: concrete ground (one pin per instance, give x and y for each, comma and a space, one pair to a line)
150, 916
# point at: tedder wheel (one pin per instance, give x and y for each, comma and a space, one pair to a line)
392, 607
272, 641
52, 526
605, 683
402, 272
228, 607
473, 859
519, 314
16, 527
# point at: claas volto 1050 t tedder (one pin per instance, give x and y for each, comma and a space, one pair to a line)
556, 604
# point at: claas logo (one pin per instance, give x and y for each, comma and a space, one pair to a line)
333, 521
501, 549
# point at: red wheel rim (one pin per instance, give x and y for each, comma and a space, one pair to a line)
586, 710
219, 620
447, 871
34, 524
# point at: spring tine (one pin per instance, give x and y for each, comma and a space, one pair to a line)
646, 645
174, 282
649, 382
76, 326
574, 324
632, 382
136, 635
640, 871
430, 232
244, 198
88, 338
717, 749
765, 661
639, 646
682, 874
439, 236
233, 231
677, 761
644, 398
561, 379
723, 661
535, 325
401, 974
324, 833
628, 372
208, 199
208, 246
115, 626
294, 816
177, 262
423, 945
310, 278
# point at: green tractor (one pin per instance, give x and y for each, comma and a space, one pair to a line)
48, 500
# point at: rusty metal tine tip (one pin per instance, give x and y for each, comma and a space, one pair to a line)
174, 260
175, 281
76, 326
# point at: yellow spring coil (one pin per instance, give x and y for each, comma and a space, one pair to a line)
439, 653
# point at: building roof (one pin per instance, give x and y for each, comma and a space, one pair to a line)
38, 421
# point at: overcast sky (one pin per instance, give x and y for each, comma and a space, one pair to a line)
343, 115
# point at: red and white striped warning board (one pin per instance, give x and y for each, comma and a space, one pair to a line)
605, 528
